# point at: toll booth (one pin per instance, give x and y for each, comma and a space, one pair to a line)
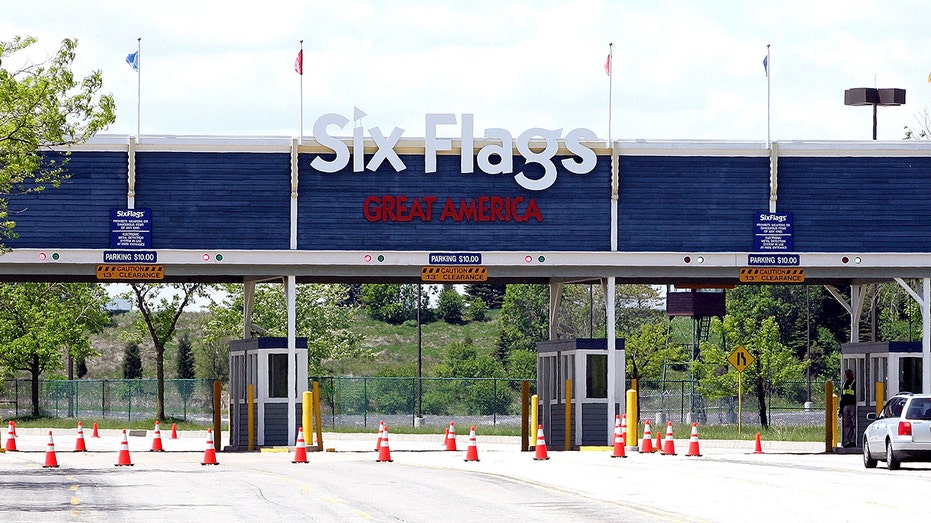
894, 364
263, 363
584, 361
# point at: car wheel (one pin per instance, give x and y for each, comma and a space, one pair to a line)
868, 460
891, 461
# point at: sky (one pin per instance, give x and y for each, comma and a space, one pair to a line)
682, 70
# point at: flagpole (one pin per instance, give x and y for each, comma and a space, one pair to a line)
302, 91
610, 86
138, 86
769, 143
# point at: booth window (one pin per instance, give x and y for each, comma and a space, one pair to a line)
910, 374
596, 376
277, 375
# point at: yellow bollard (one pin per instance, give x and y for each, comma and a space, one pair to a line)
307, 414
830, 416
250, 416
533, 420
834, 403
880, 396
633, 425
568, 442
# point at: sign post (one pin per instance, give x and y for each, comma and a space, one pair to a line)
740, 359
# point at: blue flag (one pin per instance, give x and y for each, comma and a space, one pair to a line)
133, 60
766, 64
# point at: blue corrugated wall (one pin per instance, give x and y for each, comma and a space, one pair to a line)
698, 203
575, 210
240, 200
77, 214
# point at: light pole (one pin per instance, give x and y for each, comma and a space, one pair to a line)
875, 97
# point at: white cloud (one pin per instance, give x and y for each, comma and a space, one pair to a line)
682, 69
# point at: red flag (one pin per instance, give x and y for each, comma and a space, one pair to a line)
608, 66
299, 63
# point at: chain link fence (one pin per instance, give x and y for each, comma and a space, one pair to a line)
130, 400
362, 402
797, 403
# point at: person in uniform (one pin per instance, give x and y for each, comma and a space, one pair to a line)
848, 410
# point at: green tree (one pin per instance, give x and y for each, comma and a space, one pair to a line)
773, 366
648, 350
390, 302
132, 361
326, 325
450, 305
490, 293
476, 310
802, 314
636, 305
185, 369
463, 360
160, 306
43, 105
211, 358
42, 323
523, 320
522, 365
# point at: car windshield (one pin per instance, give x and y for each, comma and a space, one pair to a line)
919, 408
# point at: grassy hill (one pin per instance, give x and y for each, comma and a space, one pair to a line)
111, 343
394, 347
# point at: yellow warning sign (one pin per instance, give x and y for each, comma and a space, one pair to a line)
771, 275
130, 272
453, 273
741, 358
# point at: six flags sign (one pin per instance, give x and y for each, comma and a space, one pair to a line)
493, 158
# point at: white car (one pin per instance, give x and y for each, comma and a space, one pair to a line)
901, 432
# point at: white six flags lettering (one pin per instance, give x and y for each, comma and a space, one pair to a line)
494, 158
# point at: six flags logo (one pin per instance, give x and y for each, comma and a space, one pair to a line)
494, 158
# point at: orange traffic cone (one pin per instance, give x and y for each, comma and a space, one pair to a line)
11, 438
210, 453
15, 435
472, 451
51, 462
79, 445
669, 444
95, 434
624, 428
123, 459
174, 431
540, 450
300, 449
381, 432
658, 446
157, 438
451, 437
759, 446
384, 452
646, 444
619, 451
693, 442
